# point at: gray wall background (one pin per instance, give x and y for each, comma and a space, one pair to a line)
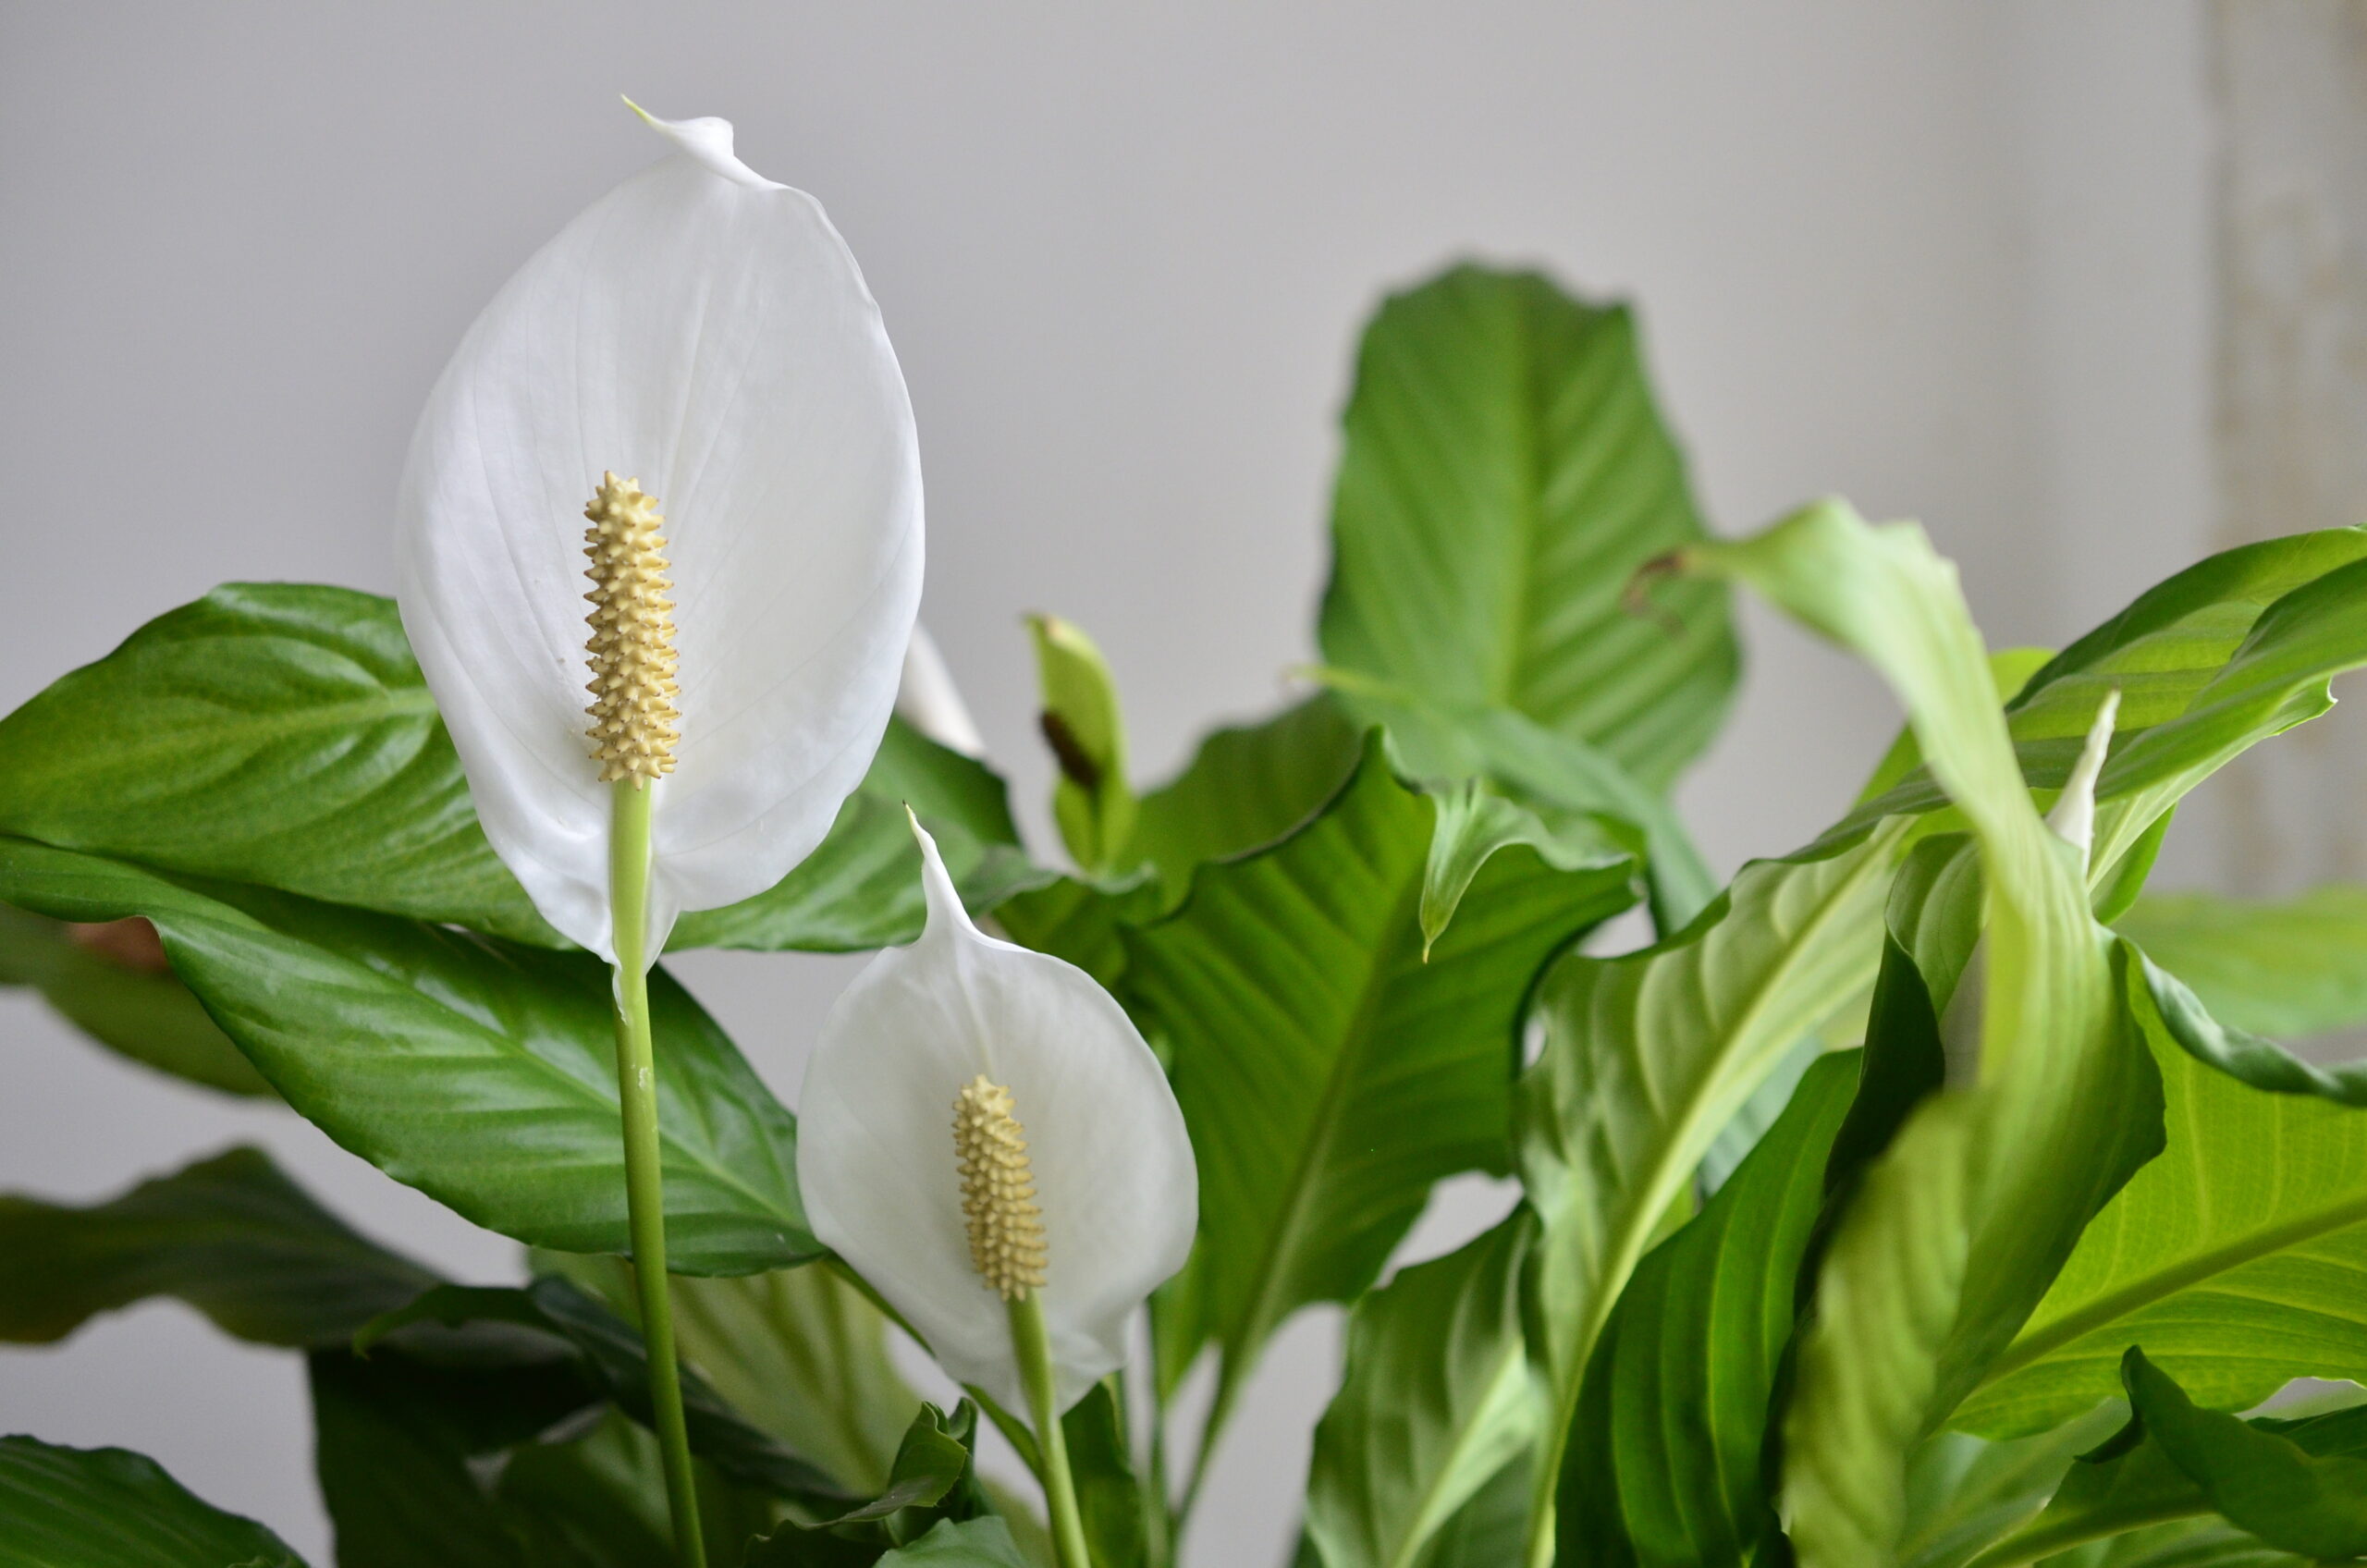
1954, 261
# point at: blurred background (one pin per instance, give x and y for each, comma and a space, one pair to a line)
2082, 283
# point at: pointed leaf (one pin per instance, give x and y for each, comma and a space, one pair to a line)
482, 1072
1504, 477
112, 1509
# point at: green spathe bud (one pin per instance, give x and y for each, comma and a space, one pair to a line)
1092, 802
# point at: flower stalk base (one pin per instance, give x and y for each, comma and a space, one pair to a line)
1033, 1348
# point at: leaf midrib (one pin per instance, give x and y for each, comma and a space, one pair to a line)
2162, 1284
1424, 1522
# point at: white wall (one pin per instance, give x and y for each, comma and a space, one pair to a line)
1947, 259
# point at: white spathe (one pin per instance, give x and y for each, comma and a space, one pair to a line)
704, 331
1112, 1164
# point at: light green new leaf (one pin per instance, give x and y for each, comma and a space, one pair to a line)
107, 1508
1961, 1224
481, 1072
2238, 1259
2282, 967
1092, 802
1327, 1070
280, 734
1437, 1400
1663, 1467
142, 1014
1505, 474
229, 1235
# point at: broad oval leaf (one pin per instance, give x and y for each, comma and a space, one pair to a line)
480, 1072
1505, 475
110, 1508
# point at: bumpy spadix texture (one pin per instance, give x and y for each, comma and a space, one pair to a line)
997, 1190
704, 330
631, 649
1102, 1159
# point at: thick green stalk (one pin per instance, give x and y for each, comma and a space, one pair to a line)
1034, 1349
644, 1191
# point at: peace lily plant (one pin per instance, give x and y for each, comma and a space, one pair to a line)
1930, 1194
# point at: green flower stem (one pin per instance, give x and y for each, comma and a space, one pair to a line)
1034, 1349
645, 1189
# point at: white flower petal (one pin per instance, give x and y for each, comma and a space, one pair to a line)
706, 331
1112, 1164
931, 703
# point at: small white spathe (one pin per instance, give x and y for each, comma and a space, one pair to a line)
1112, 1163
704, 331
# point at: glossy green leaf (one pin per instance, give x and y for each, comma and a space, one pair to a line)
1958, 1228
229, 1235
974, 1543
610, 1354
144, 1015
1327, 1070
2238, 1259
482, 1072
279, 734
1648, 1055
1505, 475
2284, 967
799, 1351
107, 1508
1663, 1469
1436, 1401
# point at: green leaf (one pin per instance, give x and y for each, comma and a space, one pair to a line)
610, 1352
2235, 1258
2288, 967
1961, 1225
1664, 1465
1505, 474
280, 734
799, 1351
106, 1508
2276, 609
1111, 1499
2288, 1482
2189, 1543
1327, 1073
2262, 1063
1964, 1493
229, 1235
147, 1015
1435, 1402
477, 1070
1648, 1055
1486, 1532
971, 1543
1091, 799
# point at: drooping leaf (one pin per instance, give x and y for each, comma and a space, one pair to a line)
144, 1013
479, 1071
1663, 1469
2263, 1063
609, 1354
1328, 1072
107, 1508
1505, 475
799, 1351
2235, 1258
2285, 1481
231, 1235
1961, 1225
1436, 1401
2282, 967
279, 734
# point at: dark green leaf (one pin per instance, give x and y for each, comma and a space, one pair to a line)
1330, 1073
1505, 474
106, 1508
146, 1014
1110, 1496
2234, 1259
1436, 1401
974, 1543
231, 1235
610, 1355
477, 1070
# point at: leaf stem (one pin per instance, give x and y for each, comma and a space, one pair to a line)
1032, 1347
644, 1191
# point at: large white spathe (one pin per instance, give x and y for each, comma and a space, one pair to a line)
704, 331
1112, 1164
